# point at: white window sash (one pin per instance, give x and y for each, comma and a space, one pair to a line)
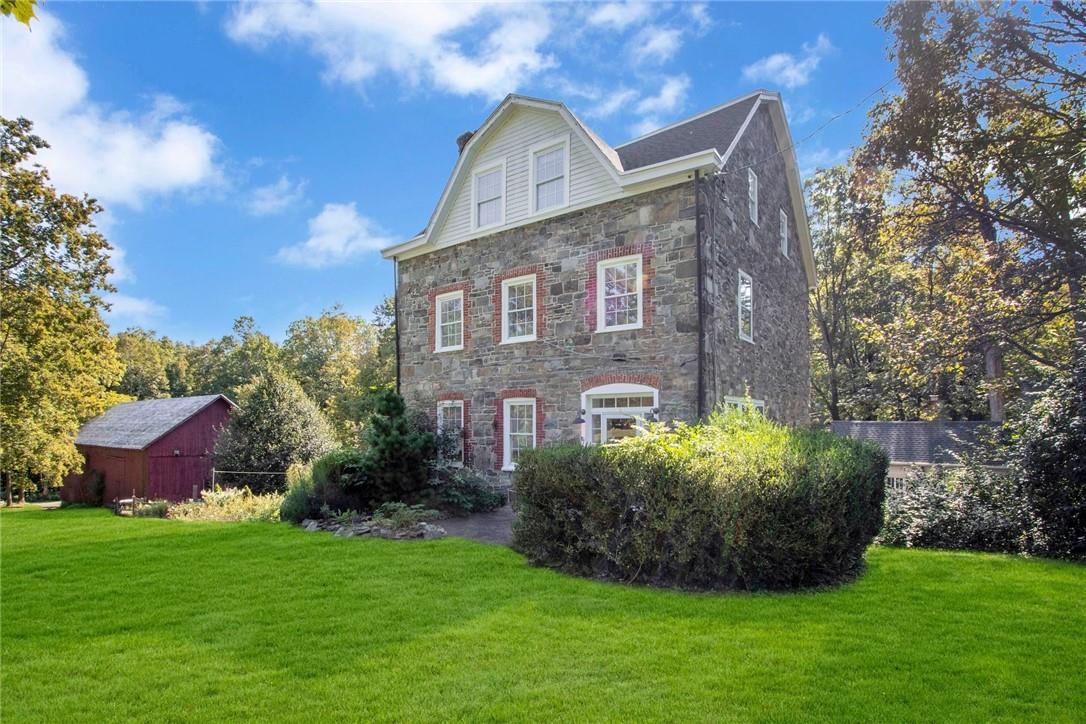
528, 279
533, 154
784, 233
752, 195
477, 200
744, 277
439, 321
443, 408
619, 389
735, 401
507, 433
601, 290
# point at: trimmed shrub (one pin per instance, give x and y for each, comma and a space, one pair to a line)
967, 507
461, 491
736, 502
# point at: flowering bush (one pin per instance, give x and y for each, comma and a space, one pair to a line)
232, 505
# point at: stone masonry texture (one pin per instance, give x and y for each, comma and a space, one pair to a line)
569, 356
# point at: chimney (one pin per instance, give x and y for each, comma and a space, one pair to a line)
462, 140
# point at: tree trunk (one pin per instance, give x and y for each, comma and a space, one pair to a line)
993, 371
6, 479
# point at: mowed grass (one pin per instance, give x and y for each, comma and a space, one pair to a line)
107, 618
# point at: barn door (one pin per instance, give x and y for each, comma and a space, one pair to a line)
116, 478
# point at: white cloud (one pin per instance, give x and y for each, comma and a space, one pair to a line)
699, 16
810, 160
125, 309
655, 44
336, 235
670, 98
419, 43
620, 15
788, 70
654, 109
117, 156
275, 198
611, 103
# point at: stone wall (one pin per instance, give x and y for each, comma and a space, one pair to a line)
564, 250
776, 366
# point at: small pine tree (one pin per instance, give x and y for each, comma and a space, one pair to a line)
398, 453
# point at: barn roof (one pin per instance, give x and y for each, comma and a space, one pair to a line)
939, 442
135, 425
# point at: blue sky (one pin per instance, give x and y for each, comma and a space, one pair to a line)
253, 157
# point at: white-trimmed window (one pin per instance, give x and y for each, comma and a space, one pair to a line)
731, 401
549, 173
745, 303
518, 428
450, 427
449, 321
784, 233
619, 294
615, 411
488, 197
518, 309
752, 195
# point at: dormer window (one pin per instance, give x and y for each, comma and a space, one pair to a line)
489, 197
549, 174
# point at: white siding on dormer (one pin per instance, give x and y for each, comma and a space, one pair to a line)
511, 141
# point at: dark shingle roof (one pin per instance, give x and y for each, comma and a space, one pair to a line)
715, 129
135, 425
940, 442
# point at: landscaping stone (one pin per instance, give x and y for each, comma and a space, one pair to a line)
363, 526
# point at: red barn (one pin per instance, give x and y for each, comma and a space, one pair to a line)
155, 448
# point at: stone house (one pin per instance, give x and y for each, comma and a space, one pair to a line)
566, 289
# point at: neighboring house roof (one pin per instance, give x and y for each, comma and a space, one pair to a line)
135, 425
703, 142
939, 442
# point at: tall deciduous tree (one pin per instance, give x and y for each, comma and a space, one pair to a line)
225, 365
333, 357
57, 359
145, 360
989, 131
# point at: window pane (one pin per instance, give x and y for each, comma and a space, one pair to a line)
550, 164
621, 294
520, 428
450, 422
490, 212
488, 186
520, 309
450, 316
550, 194
746, 307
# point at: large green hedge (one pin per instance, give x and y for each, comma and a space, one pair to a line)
736, 502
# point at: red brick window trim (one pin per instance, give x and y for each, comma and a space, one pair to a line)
499, 421
464, 288
648, 380
646, 251
496, 298
466, 428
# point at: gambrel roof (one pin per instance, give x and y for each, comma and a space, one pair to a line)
135, 425
672, 154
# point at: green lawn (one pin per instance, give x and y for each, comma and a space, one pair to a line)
111, 618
